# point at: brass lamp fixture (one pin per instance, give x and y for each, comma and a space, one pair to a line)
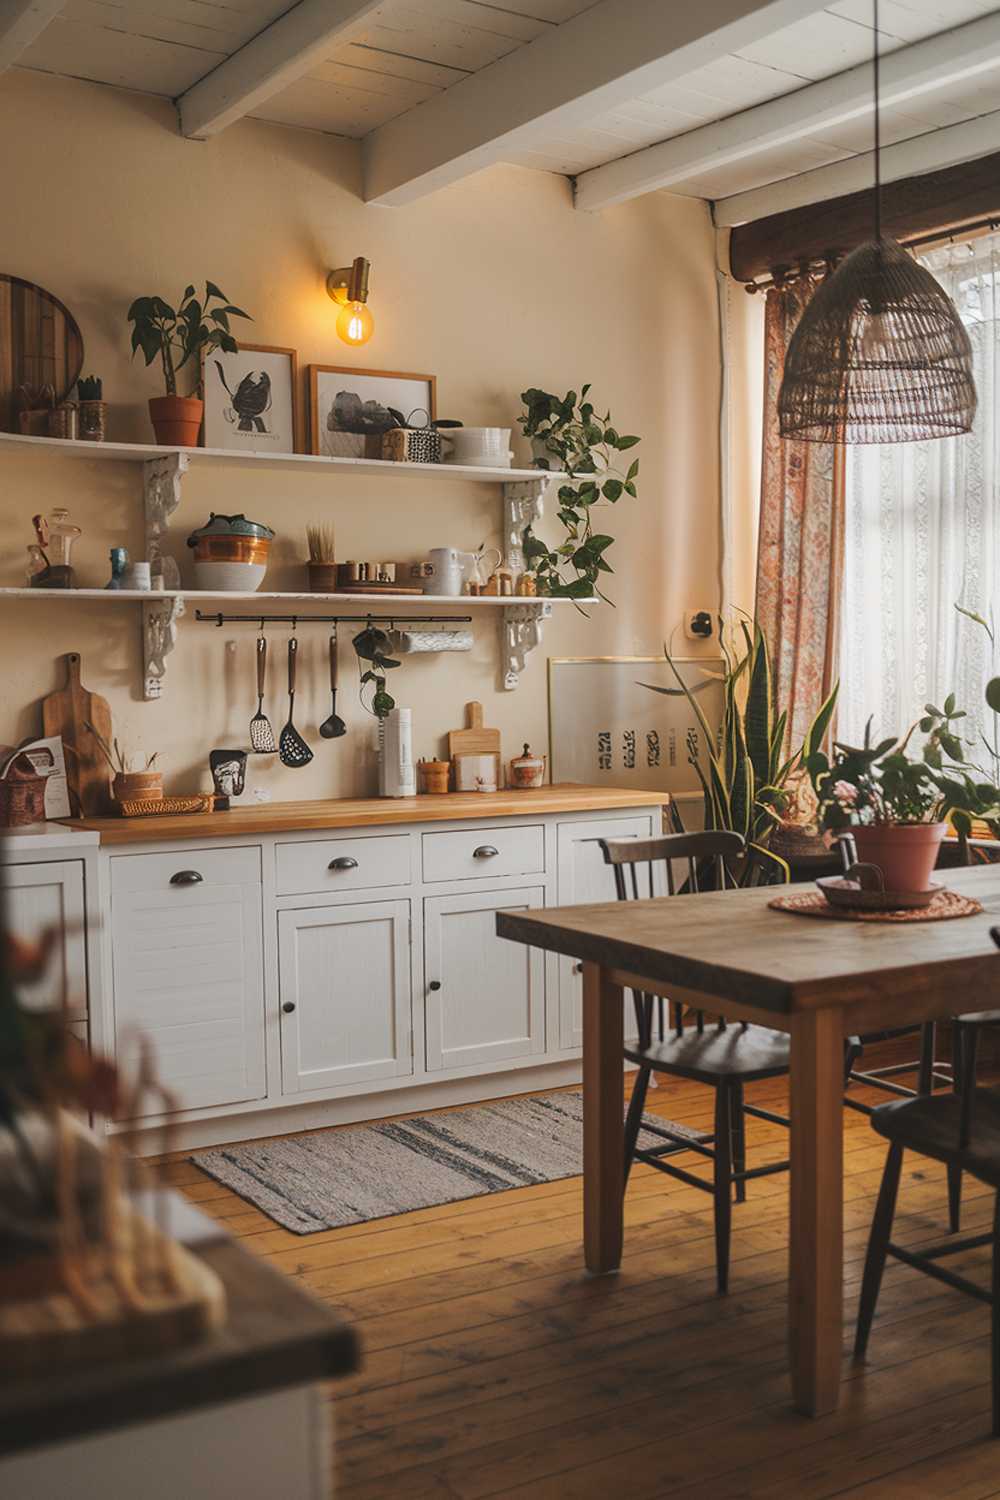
348, 286
880, 354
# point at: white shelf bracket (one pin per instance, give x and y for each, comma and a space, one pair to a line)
522, 633
523, 504
161, 480
159, 637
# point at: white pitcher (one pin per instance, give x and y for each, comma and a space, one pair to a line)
447, 573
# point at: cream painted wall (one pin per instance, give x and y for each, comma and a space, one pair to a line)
494, 285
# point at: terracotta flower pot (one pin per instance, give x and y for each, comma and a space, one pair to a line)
176, 420
906, 853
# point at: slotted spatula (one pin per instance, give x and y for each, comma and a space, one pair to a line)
292, 748
261, 733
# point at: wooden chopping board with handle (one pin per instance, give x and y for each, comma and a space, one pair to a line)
67, 713
474, 739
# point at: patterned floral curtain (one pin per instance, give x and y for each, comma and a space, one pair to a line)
800, 551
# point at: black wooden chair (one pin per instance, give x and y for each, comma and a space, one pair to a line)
724, 1057
963, 1131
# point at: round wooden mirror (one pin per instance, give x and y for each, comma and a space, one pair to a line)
40, 346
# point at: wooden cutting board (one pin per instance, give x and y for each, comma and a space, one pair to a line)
67, 713
473, 739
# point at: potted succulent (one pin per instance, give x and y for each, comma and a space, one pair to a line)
175, 337
897, 805
567, 434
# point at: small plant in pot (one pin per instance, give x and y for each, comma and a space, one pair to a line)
568, 435
898, 805
177, 338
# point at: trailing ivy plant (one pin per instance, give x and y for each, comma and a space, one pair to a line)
372, 645
584, 446
175, 337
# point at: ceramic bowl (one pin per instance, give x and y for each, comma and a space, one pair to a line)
229, 577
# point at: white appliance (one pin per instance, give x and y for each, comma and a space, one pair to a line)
396, 774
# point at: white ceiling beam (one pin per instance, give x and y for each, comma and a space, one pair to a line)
21, 23
274, 58
930, 152
616, 50
936, 63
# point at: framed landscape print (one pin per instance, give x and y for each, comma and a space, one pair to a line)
351, 409
251, 399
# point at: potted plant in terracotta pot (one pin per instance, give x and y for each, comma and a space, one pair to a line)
897, 805
176, 338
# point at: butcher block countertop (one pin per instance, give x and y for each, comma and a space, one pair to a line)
365, 812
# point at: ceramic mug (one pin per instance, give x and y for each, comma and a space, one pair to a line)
481, 447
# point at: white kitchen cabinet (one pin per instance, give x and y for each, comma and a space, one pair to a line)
50, 895
583, 876
187, 967
485, 997
345, 994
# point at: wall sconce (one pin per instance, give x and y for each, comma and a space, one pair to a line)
348, 286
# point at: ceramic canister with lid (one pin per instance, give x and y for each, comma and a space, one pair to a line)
230, 553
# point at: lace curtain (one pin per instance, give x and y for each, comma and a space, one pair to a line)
922, 534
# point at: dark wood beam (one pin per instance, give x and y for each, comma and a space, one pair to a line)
911, 206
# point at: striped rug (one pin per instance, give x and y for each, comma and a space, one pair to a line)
330, 1178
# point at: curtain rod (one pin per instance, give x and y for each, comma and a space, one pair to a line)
974, 229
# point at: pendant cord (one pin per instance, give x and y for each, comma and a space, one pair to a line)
876, 66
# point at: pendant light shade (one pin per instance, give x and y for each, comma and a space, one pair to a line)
879, 355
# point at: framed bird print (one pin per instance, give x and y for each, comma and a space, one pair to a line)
252, 399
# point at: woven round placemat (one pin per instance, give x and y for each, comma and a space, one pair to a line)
943, 908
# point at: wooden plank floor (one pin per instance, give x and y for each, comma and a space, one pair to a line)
494, 1366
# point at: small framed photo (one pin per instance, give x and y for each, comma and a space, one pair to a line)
252, 399
350, 410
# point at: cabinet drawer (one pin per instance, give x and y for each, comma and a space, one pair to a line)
474, 853
315, 866
132, 873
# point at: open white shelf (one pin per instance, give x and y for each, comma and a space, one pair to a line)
389, 604
196, 457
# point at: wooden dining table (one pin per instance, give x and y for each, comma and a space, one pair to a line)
728, 952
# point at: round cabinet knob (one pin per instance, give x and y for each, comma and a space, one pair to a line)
186, 877
578, 968
288, 1007
345, 862
485, 851
435, 984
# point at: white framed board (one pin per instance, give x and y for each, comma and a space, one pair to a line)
607, 729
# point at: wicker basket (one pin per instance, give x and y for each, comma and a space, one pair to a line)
22, 791
412, 445
132, 808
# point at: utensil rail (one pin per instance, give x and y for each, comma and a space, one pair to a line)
219, 619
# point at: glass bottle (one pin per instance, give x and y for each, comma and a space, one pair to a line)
36, 564
62, 534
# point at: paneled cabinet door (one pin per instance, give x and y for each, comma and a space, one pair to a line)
485, 996
345, 994
186, 932
583, 876
50, 896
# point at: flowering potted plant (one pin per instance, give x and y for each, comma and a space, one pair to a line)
897, 805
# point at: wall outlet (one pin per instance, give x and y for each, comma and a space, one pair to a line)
699, 624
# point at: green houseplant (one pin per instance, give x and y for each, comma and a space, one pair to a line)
898, 804
745, 769
177, 337
568, 435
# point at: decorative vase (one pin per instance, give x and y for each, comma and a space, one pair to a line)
906, 853
176, 420
93, 421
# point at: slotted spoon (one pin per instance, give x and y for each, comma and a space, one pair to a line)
292, 748
261, 734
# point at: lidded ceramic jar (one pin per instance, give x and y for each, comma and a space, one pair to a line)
527, 771
230, 553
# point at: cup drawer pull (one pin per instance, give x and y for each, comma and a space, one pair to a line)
485, 851
186, 877
343, 862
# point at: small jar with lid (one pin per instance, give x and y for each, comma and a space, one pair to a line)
527, 771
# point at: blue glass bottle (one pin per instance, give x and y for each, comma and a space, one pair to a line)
119, 562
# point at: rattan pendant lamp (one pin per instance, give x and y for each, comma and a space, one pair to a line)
880, 354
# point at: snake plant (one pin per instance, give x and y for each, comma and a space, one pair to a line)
744, 766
